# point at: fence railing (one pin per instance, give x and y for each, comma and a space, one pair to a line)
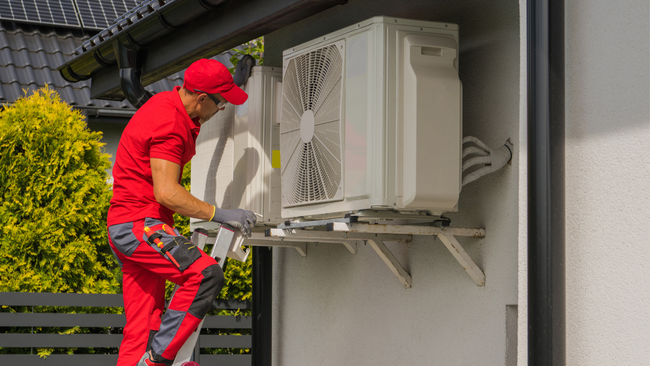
46, 340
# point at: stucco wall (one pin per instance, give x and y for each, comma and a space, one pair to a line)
111, 134
608, 182
334, 308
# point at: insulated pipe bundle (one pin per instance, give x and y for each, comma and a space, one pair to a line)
491, 159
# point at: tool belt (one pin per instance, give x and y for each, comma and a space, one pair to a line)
180, 248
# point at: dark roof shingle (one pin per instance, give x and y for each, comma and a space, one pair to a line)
30, 55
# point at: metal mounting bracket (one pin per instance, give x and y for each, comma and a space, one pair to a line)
446, 235
352, 233
259, 239
351, 240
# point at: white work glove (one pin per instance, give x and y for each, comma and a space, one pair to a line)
493, 159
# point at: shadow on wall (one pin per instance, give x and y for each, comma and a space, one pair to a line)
605, 92
488, 59
250, 155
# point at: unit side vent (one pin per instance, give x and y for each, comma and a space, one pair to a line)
310, 130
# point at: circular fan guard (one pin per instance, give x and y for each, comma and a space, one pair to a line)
312, 170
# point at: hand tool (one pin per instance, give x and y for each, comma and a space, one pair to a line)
156, 239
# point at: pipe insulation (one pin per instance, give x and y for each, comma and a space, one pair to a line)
481, 154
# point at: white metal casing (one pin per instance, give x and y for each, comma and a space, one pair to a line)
401, 113
233, 166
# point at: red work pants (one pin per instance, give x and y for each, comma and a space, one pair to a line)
144, 273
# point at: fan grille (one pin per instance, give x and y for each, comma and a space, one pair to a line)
312, 170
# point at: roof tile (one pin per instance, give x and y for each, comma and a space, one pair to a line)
30, 56
17, 42
5, 56
39, 60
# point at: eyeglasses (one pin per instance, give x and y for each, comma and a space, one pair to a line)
216, 101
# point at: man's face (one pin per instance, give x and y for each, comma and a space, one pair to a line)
208, 106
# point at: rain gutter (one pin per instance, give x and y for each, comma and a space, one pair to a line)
168, 35
140, 26
546, 184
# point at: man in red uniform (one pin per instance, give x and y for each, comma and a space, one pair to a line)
155, 146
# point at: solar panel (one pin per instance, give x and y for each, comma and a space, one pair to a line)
55, 12
100, 14
94, 14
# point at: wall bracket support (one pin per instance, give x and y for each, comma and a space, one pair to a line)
352, 233
446, 234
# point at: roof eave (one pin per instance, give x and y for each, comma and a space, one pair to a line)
168, 50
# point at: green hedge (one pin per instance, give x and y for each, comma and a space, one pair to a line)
55, 196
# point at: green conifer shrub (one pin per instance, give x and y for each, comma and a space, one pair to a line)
54, 197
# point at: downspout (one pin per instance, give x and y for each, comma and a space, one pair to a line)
546, 184
129, 63
262, 330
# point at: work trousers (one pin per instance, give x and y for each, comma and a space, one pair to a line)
145, 270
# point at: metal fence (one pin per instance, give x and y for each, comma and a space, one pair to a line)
42, 340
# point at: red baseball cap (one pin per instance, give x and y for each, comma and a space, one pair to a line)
212, 77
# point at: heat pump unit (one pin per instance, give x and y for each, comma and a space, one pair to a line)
237, 157
371, 119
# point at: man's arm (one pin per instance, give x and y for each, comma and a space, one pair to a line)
171, 194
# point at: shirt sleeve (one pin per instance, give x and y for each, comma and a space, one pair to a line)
167, 141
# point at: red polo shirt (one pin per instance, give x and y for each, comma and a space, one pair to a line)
160, 129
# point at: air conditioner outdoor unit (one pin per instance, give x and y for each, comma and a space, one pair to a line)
237, 157
371, 119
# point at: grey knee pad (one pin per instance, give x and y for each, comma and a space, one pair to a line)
211, 285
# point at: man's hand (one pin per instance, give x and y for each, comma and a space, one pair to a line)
240, 219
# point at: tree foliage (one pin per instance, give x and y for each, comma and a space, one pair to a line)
254, 47
54, 199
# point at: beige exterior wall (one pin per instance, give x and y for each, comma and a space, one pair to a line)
608, 182
334, 308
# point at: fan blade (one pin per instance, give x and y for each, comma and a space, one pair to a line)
328, 136
330, 78
291, 104
329, 168
290, 117
291, 175
331, 104
289, 144
303, 70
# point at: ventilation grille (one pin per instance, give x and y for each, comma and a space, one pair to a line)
310, 129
